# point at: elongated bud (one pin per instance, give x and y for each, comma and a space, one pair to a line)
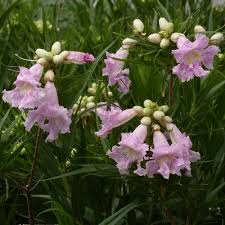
90, 105
175, 36
164, 43
156, 127
41, 53
92, 91
164, 25
91, 99
164, 108
110, 94
167, 119
158, 115
64, 54
75, 107
138, 109
155, 38
49, 56
138, 26
217, 38
42, 62
128, 43
57, 59
199, 29
146, 121
49, 76
147, 111
56, 48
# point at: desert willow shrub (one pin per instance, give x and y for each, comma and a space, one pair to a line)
41, 104
171, 150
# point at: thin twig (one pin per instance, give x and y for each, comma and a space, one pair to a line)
171, 90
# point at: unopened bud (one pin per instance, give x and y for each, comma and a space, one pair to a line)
147, 111
91, 91
91, 99
138, 109
64, 54
110, 94
168, 119
146, 121
41, 53
49, 76
90, 105
155, 38
128, 43
158, 115
164, 43
164, 25
175, 36
199, 29
216, 39
164, 108
75, 107
148, 103
57, 59
42, 62
138, 26
156, 127
49, 56
94, 85
56, 48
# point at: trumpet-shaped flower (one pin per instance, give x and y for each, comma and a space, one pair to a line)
131, 149
50, 116
27, 93
115, 72
193, 57
113, 117
79, 57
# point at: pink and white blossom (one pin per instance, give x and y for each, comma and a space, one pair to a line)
79, 57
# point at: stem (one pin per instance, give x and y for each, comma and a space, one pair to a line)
28, 187
171, 90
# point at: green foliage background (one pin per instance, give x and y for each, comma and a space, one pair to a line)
90, 189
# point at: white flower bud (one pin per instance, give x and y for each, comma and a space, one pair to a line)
164, 108
68, 163
148, 103
82, 110
41, 53
158, 115
42, 62
64, 54
94, 85
138, 109
49, 76
164, 43
138, 25
168, 119
164, 25
75, 107
156, 127
146, 121
174, 37
92, 91
155, 38
199, 29
57, 59
128, 43
91, 99
147, 111
49, 56
90, 105
217, 38
110, 94
56, 48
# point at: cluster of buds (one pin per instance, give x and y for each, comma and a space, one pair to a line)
165, 35
85, 104
215, 39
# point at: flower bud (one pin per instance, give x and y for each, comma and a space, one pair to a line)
41, 53
148, 103
199, 29
164, 108
49, 76
164, 25
49, 56
138, 26
155, 38
94, 85
164, 43
147, 111
156, 127
91, 99
56, 48
168, 119
217, 38
42, 62
146, 121
92, 91
128, 43
90, 105
158, 115
75, 107
110, 94
138, 109
64, 54
57, 59
175, 36
82, 110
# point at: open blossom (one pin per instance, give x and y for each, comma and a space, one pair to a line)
112, 117
115, 71
79, 57
50, 116
131, 149
27, 93
194, 57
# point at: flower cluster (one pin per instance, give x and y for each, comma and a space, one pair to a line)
42, 103
171, 151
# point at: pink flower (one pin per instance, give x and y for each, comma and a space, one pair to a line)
113, 117
50, 116
27, 93
115, 72
79, 57
193, 56
131, 149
